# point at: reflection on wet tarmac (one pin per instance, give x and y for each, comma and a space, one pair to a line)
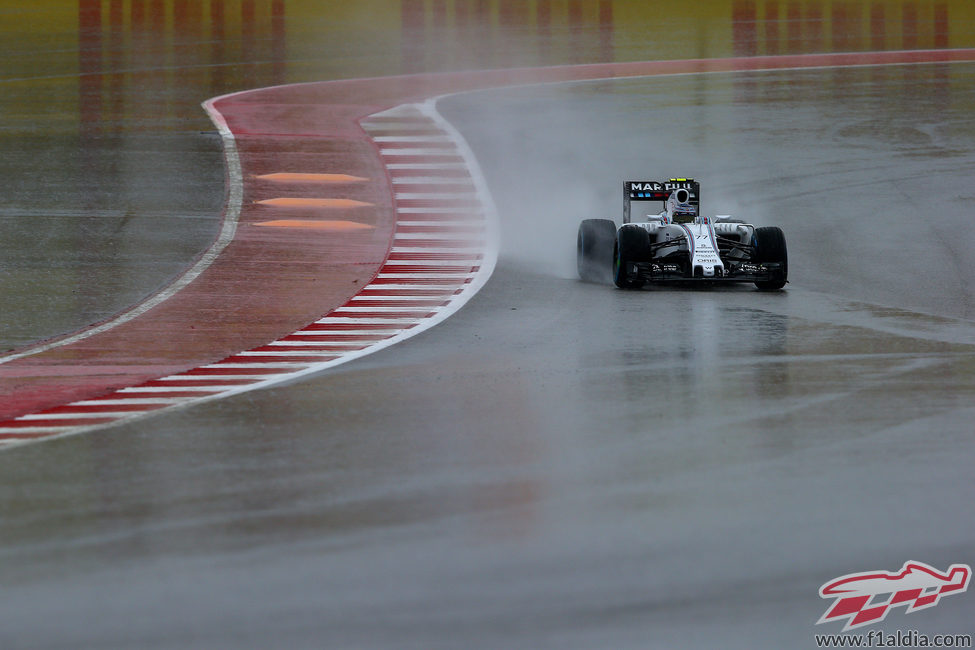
114, 177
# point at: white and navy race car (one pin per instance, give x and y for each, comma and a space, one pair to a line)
678, 244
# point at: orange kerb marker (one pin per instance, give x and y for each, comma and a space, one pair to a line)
335, 226
294, 202
286, 177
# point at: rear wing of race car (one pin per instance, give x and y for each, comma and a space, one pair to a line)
659, 191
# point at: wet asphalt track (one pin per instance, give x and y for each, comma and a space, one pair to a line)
564, 464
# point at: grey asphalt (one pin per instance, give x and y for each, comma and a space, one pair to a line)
568, 465
100, 213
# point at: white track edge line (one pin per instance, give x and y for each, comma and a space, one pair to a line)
235, 194
477, 281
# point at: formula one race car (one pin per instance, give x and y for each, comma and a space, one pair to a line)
679, 245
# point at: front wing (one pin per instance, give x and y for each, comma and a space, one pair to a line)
735, 271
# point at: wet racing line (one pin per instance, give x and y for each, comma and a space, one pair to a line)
440, 248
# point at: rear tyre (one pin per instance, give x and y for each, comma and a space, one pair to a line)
594, 249
770, 247
632, 245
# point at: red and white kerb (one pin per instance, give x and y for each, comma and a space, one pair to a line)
443, 250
